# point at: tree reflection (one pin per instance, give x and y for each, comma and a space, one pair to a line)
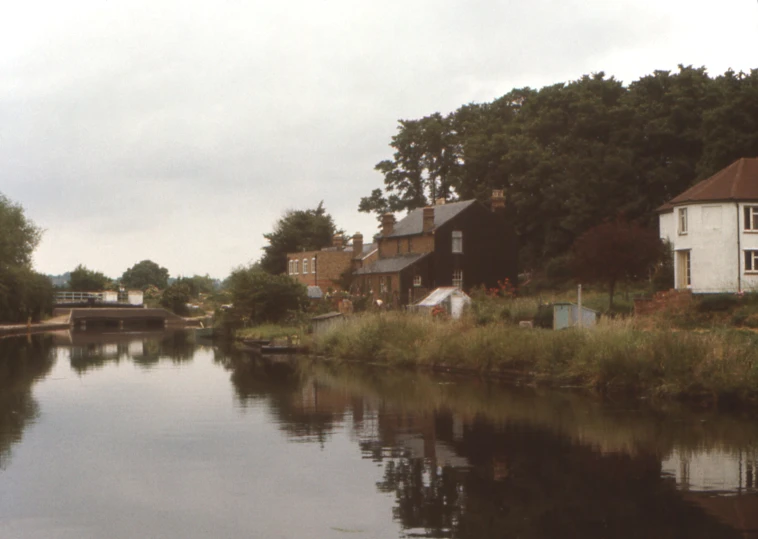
93, 350
22, 362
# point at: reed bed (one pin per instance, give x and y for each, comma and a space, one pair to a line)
615, 356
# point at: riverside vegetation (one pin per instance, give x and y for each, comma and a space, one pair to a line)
711, 362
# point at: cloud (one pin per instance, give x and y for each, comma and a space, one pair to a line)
182, 130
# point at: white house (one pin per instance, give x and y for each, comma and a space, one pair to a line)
713, 228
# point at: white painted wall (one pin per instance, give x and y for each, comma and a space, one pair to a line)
135, 297
711, 238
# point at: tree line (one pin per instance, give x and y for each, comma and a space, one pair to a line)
572, 156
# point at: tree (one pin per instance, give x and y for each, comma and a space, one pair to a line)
197, 284
615, 251
297, 230
24, 293
176, 297
144, 274
263, 297
18, 236
86, 280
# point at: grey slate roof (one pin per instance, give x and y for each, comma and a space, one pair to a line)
391, 265
413, 223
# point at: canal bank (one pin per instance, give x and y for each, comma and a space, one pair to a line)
715, 367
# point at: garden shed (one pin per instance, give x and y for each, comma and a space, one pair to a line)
452, 299
566, 315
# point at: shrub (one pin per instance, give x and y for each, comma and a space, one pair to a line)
717, 303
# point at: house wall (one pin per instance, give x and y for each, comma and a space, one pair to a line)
420, 243
329, 267
490, 252
711, 238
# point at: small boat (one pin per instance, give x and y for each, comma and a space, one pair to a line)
256, 342
282, 349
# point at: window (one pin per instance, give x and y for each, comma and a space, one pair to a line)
305, 266
682, 220
751, 261
457, 241
417, 280
751, 218
289, 269
458, 279
313, 265
295, 266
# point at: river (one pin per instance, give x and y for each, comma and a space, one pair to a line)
154, 435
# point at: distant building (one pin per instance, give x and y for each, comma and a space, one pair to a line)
325, 267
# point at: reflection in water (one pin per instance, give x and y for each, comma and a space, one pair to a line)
434, 456
22, 362
471, 460
94, 349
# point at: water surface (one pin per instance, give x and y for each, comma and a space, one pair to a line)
153, 435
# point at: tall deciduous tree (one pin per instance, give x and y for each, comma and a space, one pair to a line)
297, 230
573, 155
616, 251
144, 274
18, 235
23, 292
86, 280
263, 297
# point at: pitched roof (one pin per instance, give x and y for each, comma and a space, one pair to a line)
738, 182
413, 223
391, 265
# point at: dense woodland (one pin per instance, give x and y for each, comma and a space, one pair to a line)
571, 156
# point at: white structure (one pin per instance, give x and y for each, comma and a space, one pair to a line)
451, 298
136, 297
713, 228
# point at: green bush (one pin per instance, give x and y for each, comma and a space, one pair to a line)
717, 303
544, 316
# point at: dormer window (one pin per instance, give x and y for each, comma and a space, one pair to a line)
682, 220
751, 218
457, 242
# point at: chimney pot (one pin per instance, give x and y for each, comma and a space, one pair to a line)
337, 241
497, 202
428, 219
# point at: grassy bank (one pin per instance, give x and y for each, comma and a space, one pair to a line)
617, 356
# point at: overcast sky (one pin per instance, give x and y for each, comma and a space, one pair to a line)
180, 131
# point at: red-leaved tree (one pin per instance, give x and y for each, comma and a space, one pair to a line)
616, 251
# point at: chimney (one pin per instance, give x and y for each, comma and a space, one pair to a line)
440, 201
498, 200
428, 219
357, 244
337, 241
388, 224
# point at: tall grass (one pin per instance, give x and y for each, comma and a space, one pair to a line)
614, 356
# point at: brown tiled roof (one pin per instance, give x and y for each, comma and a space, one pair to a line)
737, 182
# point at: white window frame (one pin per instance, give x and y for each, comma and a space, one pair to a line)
457, 242
683, 224
290, 269
305, 266
751, 260
750, 218
417, 280
313, 265
296, 266
458, 279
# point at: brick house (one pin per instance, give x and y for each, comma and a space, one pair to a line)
324, 268
463, 244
